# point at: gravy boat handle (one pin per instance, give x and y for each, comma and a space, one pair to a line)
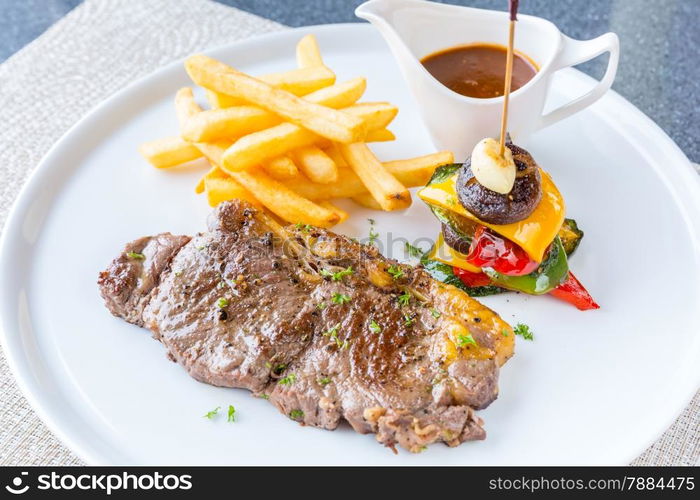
575, 52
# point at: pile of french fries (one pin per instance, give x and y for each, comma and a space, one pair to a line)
290, 141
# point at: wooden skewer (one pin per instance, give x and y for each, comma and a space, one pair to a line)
506, 89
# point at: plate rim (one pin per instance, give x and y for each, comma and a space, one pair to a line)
10, 331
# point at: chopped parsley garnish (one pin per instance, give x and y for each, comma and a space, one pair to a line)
288, 380
404, 298
373, 235
321, 306
324, 381
279, 368
134, 255
340, 298
222, 303
436, 314
341, 274
201, 247
231, 414
332, 332
296, 414
374, 327
304, 228
413, 251
395, 272
213, 413
337, 276
465, 340
408, 320
505, 332
524, 331
265, 396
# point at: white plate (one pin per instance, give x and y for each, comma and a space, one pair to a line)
594, 387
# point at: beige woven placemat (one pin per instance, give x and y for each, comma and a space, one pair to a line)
93, 52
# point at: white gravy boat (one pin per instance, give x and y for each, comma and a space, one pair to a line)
414, 29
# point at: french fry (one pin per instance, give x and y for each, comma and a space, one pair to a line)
410, 172
214, 172
366, 200
308, 53
339, 211
332, 151
231, 122
417, 171
260, 137
258, 147
316, 165
380, 135
224, 189
327, 122
168, 152
281, 168
217, 101
274, 195
299, 82
347, 186
384, 187
376, 115
213, 152
185, 106
217, 184
340, 95
236, 121
284, 202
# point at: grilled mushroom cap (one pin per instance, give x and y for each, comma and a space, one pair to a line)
454, 240
496, 208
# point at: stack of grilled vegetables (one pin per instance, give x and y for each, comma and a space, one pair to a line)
495, 241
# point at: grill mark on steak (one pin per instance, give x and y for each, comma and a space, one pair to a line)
408, 383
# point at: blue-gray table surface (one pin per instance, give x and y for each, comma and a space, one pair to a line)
659, 68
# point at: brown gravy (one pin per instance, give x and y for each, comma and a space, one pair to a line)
478, 70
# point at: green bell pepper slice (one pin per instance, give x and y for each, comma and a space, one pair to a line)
551, 273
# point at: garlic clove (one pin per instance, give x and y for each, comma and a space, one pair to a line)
492, 170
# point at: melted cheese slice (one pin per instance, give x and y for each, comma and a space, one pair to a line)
444, 253
533, 234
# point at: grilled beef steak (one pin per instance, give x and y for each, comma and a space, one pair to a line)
326, 328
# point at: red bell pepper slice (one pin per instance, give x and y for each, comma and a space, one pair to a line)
471, 279
573, 292
491, 250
